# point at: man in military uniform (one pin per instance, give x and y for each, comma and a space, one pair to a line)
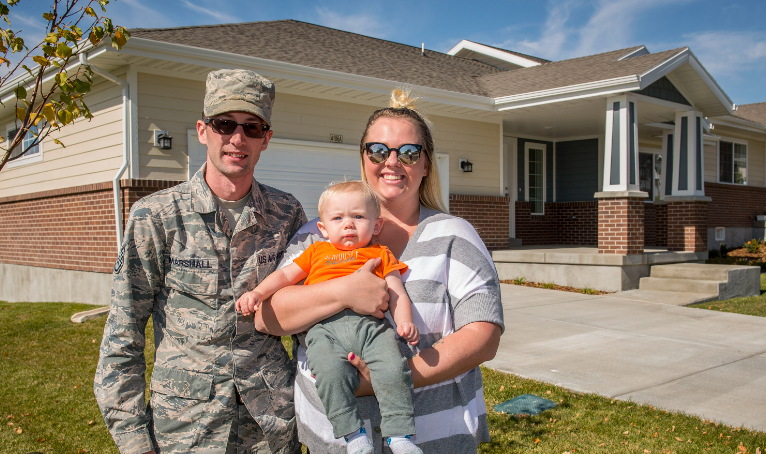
218, 386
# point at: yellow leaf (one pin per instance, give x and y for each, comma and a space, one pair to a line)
42, 61
58, 142
49, 112
89, 11
6, 61
20, 113
537, 440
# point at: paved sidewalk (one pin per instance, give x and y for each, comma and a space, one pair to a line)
704, 363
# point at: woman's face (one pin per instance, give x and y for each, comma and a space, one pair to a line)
392, 180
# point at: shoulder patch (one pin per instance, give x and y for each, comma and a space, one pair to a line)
120, 260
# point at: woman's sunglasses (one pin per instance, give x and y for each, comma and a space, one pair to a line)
227, 127
407, 154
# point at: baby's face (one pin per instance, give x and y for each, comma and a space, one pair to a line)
348, 221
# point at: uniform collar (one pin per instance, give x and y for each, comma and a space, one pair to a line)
202, 200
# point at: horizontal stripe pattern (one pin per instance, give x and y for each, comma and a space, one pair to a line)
451, 281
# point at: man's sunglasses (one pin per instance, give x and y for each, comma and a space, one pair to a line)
407, 154
227, 127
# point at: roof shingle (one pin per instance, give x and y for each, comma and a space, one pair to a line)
752, 112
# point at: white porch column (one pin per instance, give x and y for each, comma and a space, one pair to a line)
621, 145
687, 173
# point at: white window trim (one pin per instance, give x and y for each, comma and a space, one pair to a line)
527, 147
718, 159
24, 160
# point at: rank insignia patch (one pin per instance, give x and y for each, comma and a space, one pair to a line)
120, 260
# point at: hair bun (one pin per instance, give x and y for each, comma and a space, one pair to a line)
402, 99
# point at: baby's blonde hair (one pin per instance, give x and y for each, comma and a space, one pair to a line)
351, 187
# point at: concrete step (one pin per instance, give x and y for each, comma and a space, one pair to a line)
695, 271
708, 287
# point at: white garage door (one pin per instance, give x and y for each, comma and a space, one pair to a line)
305, 168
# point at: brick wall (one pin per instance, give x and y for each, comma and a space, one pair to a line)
71, 228
621, 226
656, 224
488, 215
734, 205
687, 230
565, 223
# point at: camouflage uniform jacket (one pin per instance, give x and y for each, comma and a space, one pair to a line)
182, 263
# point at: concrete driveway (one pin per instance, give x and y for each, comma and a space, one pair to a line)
704, 363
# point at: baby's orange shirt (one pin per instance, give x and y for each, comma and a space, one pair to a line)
323, 261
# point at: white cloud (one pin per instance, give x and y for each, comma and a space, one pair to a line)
727, 53
609, 27
219, 16
357, 23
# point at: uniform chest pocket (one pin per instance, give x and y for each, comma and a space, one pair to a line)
192, 296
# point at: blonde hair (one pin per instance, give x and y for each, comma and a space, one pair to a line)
402, 106
351, 187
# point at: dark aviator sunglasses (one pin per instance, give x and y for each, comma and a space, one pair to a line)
407, 154
227, 127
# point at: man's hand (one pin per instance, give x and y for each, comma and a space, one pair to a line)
248, 303
366, 293
409, 332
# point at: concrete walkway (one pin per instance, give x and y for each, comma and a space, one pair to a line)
704, 363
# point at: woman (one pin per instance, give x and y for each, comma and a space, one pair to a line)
452, 284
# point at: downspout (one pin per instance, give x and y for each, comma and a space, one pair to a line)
125, 142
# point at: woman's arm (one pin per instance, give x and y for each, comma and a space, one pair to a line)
449, 357
299, 307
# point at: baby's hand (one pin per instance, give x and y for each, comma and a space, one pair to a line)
409, 332
248, 303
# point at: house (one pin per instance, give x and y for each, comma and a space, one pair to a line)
617, 150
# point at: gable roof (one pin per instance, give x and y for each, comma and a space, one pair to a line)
315, 46
495, 56
575, 71
752, 112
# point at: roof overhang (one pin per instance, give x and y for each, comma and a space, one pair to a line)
683, 67
465, 48
217, 59
728, 120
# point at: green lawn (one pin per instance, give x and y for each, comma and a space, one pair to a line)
751, 305
48, 364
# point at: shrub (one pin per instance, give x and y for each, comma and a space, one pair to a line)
713, 254
753, 246
724, 250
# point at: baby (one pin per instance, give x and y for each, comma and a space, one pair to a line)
349, 215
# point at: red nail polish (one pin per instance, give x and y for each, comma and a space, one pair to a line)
352, 357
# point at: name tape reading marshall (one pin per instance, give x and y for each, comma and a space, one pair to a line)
204, 263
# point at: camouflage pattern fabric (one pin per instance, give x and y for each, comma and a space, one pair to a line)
238, 90
182, 263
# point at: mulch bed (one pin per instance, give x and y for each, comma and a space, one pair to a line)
551, 286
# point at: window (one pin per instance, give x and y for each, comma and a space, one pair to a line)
732, 162
33, 155
649, 170
536, 177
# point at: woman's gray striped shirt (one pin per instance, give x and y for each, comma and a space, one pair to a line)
452, 282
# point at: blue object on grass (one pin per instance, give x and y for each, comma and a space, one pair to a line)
525, 404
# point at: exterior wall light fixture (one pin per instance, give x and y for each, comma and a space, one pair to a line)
466, 165
162, 139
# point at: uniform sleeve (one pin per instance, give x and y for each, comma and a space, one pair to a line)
389, 263
306, 235
120, 381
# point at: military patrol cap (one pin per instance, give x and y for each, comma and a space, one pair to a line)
238, 90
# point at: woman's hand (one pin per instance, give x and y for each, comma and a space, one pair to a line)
297, 308
365, 384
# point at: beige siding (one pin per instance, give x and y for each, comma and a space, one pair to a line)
92, 152
711, 163
176, 104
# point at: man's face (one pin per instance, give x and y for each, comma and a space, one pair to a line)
232, 156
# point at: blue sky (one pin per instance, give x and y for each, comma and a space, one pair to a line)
729, 38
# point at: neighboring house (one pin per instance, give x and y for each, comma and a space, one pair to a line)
617, 150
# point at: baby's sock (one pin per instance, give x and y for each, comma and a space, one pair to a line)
357, 443
403, 445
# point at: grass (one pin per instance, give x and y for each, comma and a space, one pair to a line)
48, 364
749, 305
